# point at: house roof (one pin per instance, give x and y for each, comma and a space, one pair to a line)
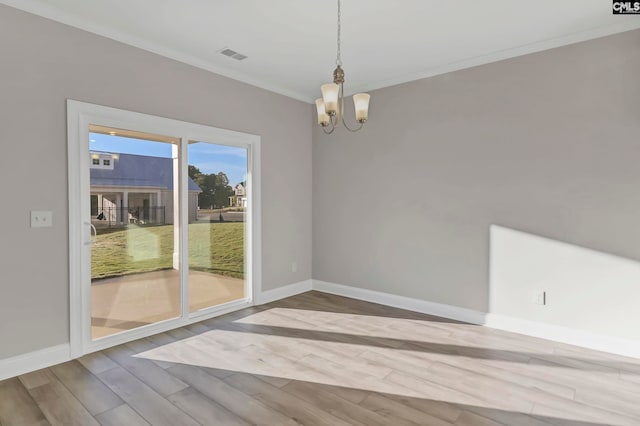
131, 170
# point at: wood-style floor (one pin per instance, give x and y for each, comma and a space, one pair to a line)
317, 359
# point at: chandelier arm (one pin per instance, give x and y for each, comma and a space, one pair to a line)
324, 129
342, 112
349, 128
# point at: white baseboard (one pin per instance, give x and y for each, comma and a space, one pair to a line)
282, 292
571, 336
402, 302
31, 361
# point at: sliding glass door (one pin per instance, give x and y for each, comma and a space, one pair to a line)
162, 230
218, 179
135, 273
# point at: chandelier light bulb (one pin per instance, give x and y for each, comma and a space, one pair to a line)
361, 103
330, 97
323, 117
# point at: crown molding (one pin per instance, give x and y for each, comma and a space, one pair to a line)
501, 55
48, 11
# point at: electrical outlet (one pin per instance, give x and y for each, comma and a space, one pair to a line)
540, 297
294, 267
41, 219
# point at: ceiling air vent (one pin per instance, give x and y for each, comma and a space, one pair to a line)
233, 54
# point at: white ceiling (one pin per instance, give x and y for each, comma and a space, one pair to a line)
291, 44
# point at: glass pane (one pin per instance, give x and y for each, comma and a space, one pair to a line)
134, 261
217, 204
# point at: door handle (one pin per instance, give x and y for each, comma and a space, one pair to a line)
94, 237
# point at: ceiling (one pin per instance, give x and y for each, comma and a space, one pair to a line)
291, 44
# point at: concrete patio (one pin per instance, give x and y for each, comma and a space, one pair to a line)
131, 301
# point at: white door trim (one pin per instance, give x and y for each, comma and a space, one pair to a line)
79, 116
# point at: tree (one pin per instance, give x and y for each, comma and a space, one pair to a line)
215, 188
207, 184
222, 190
194, 173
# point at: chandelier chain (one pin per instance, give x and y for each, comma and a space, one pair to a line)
339, 54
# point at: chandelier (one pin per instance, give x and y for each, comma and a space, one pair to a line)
331, 106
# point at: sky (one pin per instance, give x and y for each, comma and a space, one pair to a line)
209, 158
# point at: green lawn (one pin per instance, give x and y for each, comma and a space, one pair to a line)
213, 247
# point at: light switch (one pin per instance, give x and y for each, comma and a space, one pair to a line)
41, 218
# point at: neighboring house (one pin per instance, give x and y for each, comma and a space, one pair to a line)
239, 197
127, 188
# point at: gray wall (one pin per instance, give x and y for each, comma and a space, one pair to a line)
546, 143
42, 63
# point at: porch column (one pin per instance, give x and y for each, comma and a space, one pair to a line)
118, 208
125, 207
